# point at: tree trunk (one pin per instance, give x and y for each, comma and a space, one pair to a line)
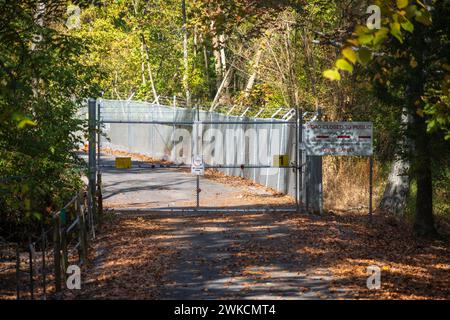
149, 69
144, 80
397, 189
217, 58
195, 42
206, 60
115, 86
228, 77
291, 59
310, 65
255, 67
225, 83
424, 222
223, 57
185, 55
39, 20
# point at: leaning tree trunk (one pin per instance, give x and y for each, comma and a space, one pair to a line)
206, 61
225, 84
254, 73
219, 69
149, 68
396, 192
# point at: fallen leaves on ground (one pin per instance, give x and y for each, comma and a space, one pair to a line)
137, 253
127, 262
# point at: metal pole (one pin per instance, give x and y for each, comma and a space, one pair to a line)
320, 171
370, 184
17, 272
99, 174
82, 231
198, 192
207, 166
296, 158
98, 136
174, 146
64, 256
57, 253
198, 148
44, 274
212, 210
307, 182
302, 161
92, 155
99, 195
30, 255
187, 123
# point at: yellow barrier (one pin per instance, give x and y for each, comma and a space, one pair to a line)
123, 162
281, 160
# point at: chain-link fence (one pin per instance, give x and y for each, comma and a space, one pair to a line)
236, 146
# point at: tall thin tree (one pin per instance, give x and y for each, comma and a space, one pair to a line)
185, 54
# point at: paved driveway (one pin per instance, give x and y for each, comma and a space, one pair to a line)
144, 187
241, 255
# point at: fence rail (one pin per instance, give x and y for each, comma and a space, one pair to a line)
45, 260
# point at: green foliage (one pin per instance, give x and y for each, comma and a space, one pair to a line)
410, 64
42, 84
332, 74
437, 108
398, 21
119, 43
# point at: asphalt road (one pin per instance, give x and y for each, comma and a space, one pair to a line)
218, 255
144, 187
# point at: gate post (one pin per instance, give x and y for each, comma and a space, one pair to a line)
92, 156
314, 185
296, 147
304, 166
315, 196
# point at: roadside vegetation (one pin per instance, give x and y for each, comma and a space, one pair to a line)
225, 55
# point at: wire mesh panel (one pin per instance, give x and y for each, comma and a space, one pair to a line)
236, 146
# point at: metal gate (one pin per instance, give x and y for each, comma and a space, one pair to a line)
234, 145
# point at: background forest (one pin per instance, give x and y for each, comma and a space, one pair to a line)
227, 56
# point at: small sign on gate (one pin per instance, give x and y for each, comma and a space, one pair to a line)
197, 166
339, 138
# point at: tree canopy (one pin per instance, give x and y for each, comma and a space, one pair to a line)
226, 56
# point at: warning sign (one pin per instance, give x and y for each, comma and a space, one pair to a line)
197, 166
339, 138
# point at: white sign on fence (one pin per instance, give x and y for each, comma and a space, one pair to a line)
339, 138
198, 166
